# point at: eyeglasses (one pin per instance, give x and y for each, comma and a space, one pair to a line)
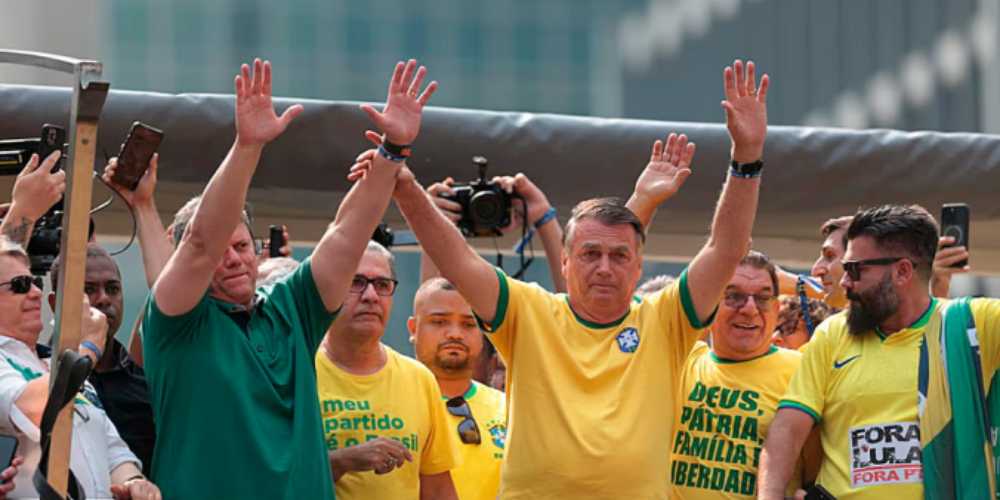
468, 431
853, 268
22, 284
383, 286
737, 300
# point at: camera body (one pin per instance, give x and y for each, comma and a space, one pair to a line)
43, 247
486, 207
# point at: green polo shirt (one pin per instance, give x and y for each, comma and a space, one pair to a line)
234, 395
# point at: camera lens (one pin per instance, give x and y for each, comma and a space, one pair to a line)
486, 208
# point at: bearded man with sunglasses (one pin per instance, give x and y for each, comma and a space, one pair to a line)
864, 379
447, 340
387, 433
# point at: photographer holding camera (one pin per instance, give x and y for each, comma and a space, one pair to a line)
527, 198
36, 189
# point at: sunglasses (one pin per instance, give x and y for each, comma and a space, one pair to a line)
853, 268
22, 284
737, 300
468, 431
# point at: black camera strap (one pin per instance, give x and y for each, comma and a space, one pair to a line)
526, 240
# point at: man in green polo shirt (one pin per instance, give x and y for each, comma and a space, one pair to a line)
230, 367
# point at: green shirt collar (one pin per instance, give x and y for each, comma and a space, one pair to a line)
919, 323
723, 361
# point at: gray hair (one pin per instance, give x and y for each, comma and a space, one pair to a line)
274, 269
376, 247
14, 250
184, 215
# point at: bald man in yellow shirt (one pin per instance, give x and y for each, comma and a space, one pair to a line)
447, 340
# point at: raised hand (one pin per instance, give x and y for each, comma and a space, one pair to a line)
147, 184
400, 118
37, 188
669, 166
746, 111
256, 122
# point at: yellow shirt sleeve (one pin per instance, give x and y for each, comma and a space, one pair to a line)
513, 298
441, 452
808, 388
675, 310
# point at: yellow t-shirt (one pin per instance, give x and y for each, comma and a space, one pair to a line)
725, 408
862, 392
590, 406
478, 478
402, 401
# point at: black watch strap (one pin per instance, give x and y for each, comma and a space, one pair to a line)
746, 170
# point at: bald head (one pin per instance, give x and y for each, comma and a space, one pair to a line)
427, 289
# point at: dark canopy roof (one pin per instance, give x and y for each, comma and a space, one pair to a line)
811, 174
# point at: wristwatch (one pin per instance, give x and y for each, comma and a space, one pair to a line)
746, 170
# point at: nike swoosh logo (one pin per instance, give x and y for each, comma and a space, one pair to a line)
841, 364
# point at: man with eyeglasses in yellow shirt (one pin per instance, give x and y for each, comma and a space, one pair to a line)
387, 433
447, 340
729, 392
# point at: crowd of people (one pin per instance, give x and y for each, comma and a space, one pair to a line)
254, 377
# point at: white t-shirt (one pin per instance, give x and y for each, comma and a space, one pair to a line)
97, 448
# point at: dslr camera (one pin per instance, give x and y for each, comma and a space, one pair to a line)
486, 207
43, 247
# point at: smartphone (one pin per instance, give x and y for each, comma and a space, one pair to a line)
136, 152
817, 492
8, 448
53, 139
955, 223
276, 242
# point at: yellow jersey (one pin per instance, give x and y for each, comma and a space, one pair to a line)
862, 392
724, 411
402, 401
590, 406
478, 478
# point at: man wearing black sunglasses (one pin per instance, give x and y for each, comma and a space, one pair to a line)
447, 340
100, 459
388, 434
865, 374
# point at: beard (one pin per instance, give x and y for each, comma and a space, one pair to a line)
870, 308
453, 363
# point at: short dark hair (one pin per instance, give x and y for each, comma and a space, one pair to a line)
901, 229
93, 250
760, 260
835, 224
609, 211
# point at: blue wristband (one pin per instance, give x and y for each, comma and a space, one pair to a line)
388, 155
549, 215
93, 347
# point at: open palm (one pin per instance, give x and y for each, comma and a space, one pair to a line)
256, 121
404, 105
746, 110
669, 166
